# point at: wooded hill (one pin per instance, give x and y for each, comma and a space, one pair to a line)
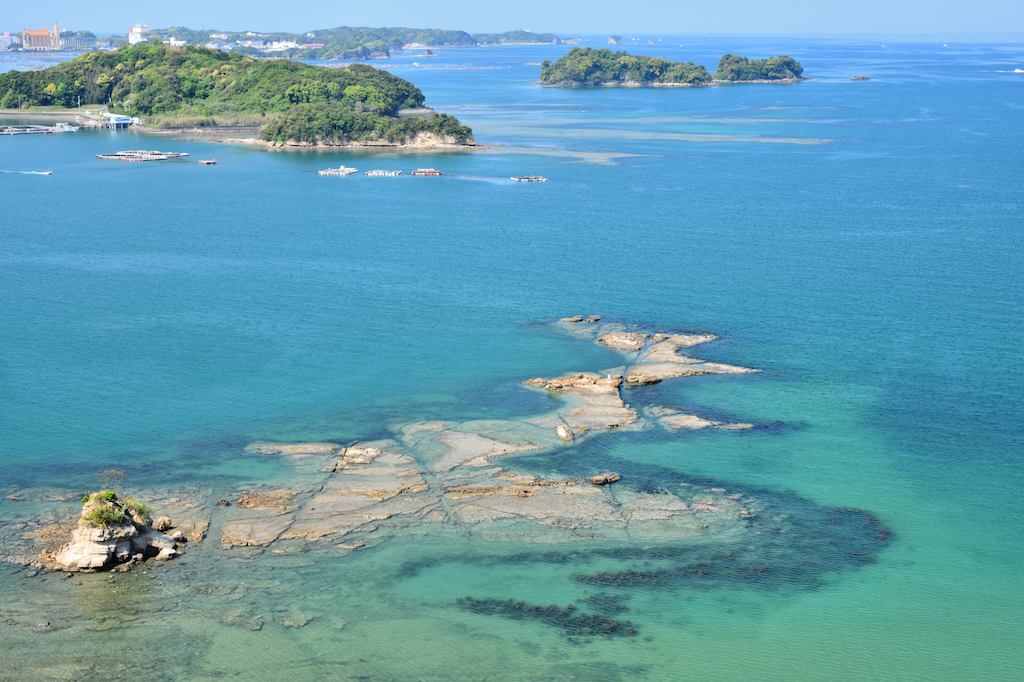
175, 86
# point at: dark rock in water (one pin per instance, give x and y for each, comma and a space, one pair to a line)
604, 479
572, 623
224, 503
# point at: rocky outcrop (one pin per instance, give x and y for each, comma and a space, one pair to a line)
629, 341
110, 533
584, 381
604, 479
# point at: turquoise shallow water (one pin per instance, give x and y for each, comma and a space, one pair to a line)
859, 242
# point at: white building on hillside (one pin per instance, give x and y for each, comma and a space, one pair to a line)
138, 33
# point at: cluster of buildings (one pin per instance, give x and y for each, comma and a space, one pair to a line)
45, 39
7, 40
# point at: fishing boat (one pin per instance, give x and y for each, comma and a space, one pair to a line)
211, 162
427, 171
529, 178
341, 170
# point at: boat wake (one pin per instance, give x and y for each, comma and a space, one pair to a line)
28, 172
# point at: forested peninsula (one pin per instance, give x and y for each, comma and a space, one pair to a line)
194, 86
590, 67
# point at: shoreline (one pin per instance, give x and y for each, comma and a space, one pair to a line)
241, 134
249, 135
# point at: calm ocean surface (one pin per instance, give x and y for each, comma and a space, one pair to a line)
861, 242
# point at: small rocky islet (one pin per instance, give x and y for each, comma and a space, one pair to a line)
461, 476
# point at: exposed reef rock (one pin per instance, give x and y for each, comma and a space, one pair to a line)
445, 472
662, 360
441, 473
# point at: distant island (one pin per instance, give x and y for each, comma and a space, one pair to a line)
294, 103
343, 42
594, 67
516, 38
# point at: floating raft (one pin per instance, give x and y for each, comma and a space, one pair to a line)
427, 171
141, 155
37, 130
342, 170
383, 173
529, 178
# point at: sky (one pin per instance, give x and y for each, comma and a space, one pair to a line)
566, 18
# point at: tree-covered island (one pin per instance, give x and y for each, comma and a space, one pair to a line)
590, 67
735, 69
194, 86
587, 66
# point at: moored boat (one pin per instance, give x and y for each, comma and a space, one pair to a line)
383, 173
427, 171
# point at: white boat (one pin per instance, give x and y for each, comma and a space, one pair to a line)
529, 178
341, 170
383, 173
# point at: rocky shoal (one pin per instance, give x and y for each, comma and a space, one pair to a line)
448, 473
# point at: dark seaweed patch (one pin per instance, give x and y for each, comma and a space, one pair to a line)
606, 603
785, 553
573, 624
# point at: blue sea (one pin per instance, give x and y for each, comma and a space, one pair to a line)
859, 242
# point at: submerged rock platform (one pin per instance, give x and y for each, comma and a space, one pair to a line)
622, 523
